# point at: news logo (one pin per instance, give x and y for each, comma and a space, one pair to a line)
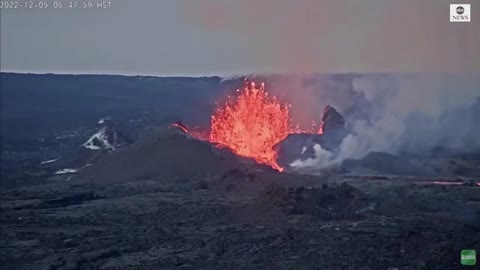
460, 13
468, 257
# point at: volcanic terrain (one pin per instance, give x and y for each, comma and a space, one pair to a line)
174, 197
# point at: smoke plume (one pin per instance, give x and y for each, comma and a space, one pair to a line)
401, 114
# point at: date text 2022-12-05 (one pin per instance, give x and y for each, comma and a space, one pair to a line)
55, 5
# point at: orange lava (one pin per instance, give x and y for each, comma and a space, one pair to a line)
251, 124
180, 126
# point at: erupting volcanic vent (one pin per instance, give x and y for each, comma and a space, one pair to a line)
251, 124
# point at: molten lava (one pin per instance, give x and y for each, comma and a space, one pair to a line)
180, 126
251, 124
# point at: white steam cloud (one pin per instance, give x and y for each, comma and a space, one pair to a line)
404, 114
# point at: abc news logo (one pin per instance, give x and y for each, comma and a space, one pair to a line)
460, 13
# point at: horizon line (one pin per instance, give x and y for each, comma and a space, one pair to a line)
211, 75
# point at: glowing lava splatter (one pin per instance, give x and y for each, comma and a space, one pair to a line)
180, 126
251, 124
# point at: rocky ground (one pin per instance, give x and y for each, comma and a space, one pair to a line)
169, 201
240, 219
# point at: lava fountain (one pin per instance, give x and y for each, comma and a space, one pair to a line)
251, 124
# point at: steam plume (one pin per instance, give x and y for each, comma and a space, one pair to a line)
405, 114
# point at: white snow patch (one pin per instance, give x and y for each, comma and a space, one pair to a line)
102, 138
303, 150
102, 120
49, 161
65, 171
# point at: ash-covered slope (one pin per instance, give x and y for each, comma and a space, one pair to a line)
384, 163
163, 152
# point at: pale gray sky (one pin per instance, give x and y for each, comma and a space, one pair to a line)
204, 37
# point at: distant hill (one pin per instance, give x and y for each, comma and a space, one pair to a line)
59, 102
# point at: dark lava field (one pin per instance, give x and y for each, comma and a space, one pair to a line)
165, 200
